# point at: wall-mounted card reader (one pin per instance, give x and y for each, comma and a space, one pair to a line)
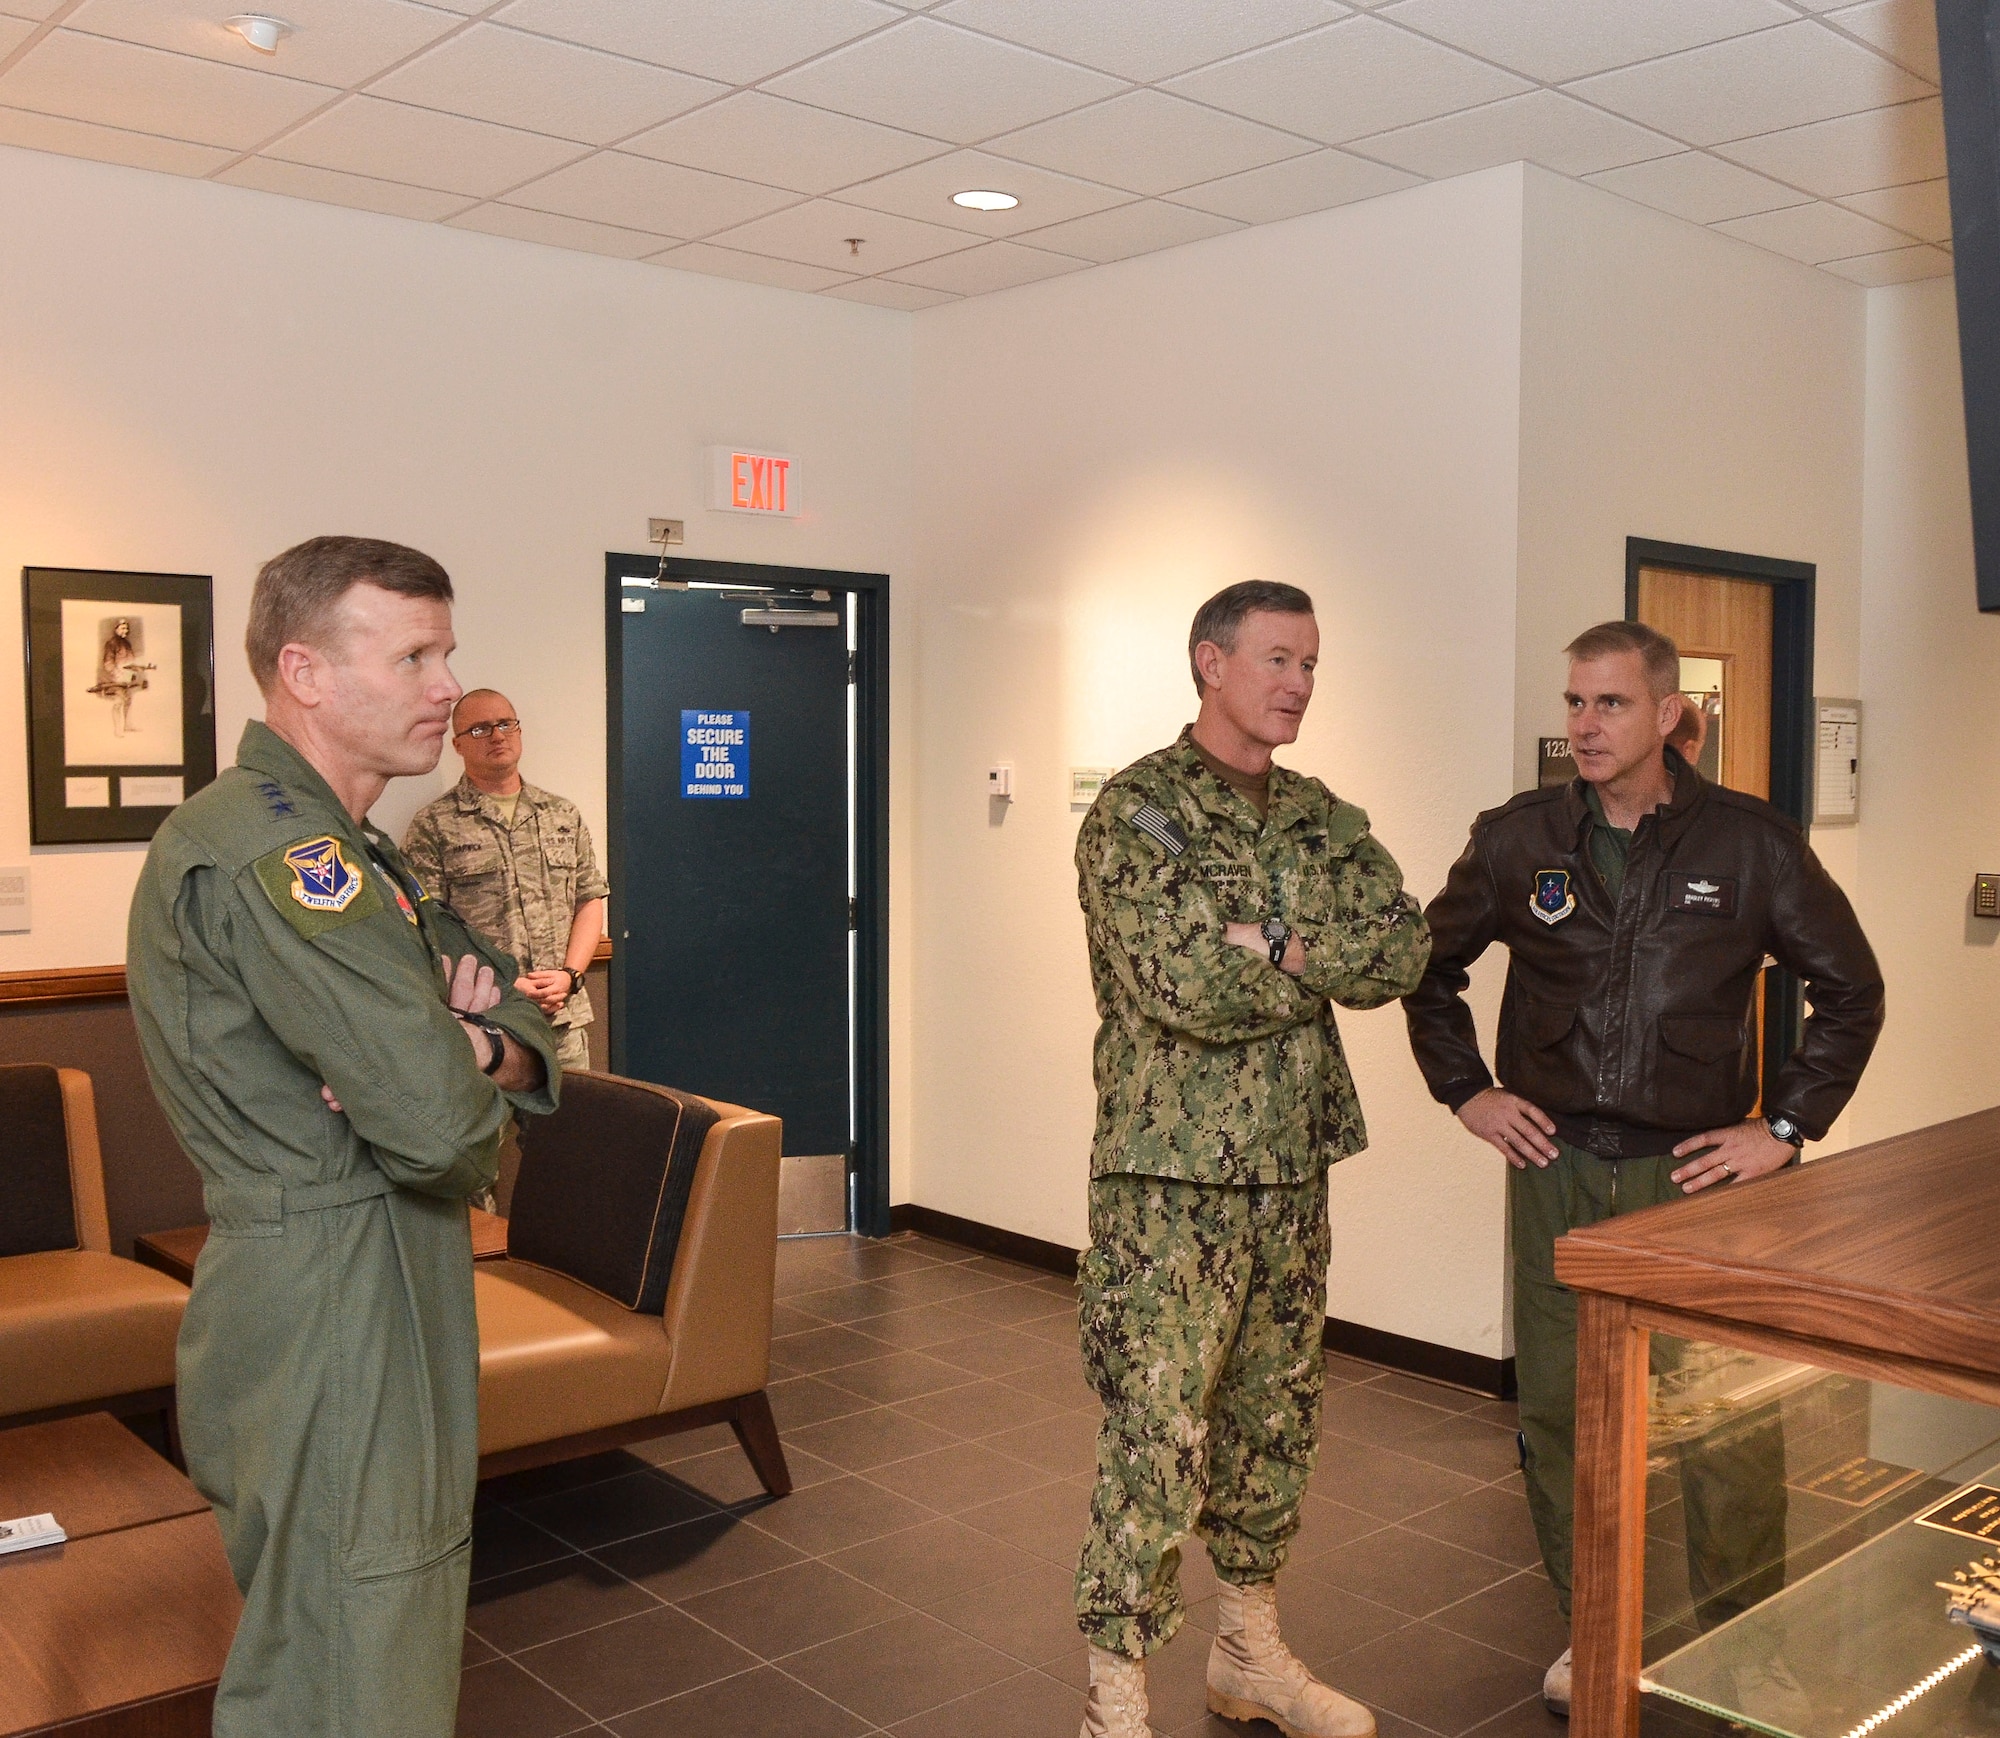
1986, 896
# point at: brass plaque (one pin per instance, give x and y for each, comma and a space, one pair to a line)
1857, 1480
1973, 1513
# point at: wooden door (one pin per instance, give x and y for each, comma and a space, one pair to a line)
1725, 622
1723, 629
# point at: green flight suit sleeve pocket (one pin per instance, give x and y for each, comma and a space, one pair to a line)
315, 888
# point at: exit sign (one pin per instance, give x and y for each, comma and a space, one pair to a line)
743, 481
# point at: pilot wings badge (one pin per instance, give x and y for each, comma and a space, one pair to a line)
1553, 900
322, 878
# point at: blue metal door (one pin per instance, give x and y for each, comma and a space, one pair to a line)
731, 884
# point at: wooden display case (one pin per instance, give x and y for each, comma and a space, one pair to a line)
1877, 1263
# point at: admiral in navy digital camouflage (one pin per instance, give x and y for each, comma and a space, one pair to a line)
1222, 1097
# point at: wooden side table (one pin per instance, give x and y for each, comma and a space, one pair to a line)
121, 1632
174, 1252
1878, 1263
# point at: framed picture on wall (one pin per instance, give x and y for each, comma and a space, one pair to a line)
121, 700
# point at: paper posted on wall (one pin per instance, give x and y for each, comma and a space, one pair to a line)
28, 1532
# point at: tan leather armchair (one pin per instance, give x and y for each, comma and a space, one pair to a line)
565, 1370
81, 1329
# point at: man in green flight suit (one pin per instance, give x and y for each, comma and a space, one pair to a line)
1229, 903
338, 1055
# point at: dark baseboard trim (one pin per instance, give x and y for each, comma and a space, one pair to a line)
1494, 1376
987, 1239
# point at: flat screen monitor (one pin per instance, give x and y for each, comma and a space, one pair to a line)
1969, 50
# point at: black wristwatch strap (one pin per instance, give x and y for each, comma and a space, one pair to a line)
575, 982
492, 1064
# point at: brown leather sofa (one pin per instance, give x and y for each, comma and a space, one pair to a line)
81, 1329
567, 1370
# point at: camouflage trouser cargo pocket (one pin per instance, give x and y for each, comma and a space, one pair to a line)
1200, 1310
1099, 1305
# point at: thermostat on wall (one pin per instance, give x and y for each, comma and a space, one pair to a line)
1000, 782
1085, 782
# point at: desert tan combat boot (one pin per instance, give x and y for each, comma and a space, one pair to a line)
1252, 1675
1116, 1707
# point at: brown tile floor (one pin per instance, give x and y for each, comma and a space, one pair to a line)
917, 1581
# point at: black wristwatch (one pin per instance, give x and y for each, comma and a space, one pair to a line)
1786, 1129
492, 1065
575, 982
1273, 930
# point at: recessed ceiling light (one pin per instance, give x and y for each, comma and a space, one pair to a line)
983, 201
263, 33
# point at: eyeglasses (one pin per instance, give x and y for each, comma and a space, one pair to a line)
499, 727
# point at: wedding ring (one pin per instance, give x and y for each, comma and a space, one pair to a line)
1729, 1170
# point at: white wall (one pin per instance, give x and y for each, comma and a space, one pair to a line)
1930, 672
1332, 402
194, 377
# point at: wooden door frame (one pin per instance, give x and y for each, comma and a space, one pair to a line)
1792, 586
870, 1012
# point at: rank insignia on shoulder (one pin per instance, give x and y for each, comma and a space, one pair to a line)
1554, 900
322, 877
1157, 824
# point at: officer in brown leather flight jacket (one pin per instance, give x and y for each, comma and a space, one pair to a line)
1638, 905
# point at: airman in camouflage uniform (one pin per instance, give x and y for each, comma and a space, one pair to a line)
1223, 1096
520, 869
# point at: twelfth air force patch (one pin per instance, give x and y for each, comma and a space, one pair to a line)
315, 887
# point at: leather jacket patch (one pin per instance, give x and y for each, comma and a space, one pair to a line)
1714, 895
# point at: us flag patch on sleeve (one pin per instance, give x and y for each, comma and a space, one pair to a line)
1158, 824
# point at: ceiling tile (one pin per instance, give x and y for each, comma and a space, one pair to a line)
107, 144
337, 42
1149, 142
14, 32
638, 193
817, 234
930, 78
368, 136
1778, 78
1555, 40
1146, 42
1346, 81
517, 80
1698, 187
1922, 209
765, 138
1813, 232
1899, 266
725, 262
35, 8
1904, 30
736, 41
92, 78
1144, 227
330, 187
1542, 127
1855, 154
1294, 187
925, 192
887, 295
554, 231
999, 265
